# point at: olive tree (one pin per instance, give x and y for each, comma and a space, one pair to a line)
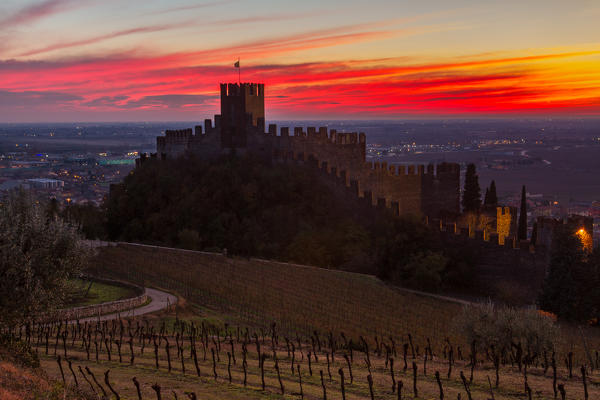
39, 253
502, 327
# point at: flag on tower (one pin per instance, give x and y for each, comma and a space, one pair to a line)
237, 64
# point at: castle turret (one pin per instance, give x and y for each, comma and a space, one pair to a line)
242, 107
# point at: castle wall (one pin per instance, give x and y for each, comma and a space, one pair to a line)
442, 190
510, 270
175, 143
240, 129
407, 189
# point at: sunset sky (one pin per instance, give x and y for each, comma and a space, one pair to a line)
148, 60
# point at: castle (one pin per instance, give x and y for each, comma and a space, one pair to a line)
431, 191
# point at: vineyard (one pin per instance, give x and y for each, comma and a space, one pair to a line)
258, 329
299, 298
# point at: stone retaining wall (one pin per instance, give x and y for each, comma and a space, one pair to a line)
104, 308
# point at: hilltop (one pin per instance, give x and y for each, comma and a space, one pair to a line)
284, 212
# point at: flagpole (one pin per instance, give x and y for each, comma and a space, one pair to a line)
239, 72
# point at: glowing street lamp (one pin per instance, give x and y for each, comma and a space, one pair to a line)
585, 238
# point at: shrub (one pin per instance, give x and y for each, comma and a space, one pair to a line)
19, 351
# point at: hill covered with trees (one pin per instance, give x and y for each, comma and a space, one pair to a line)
282, 212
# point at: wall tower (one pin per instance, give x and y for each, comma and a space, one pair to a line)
242, 107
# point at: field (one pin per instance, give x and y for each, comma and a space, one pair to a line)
319, 315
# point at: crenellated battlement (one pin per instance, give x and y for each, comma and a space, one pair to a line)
179, 133
242, 89
439, 170
240, 128
451, 231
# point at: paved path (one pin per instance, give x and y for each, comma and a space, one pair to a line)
159, 301
433, 295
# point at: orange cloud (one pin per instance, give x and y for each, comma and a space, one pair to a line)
552, 83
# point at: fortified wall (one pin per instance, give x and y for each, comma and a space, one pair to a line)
507, 269
431, 190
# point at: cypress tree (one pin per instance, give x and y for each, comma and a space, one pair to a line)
560, 290
534, 234
486, 198
493, 196
471, 200
522, 229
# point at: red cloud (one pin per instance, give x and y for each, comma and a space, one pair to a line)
355, 88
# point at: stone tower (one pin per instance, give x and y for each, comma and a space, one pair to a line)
242, 107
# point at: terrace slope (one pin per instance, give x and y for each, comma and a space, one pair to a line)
299, 299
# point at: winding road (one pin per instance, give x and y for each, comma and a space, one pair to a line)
159, 301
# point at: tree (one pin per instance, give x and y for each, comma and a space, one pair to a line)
426, 270
534, 234
38, 256
88, 218
493, 197
592, 282
571, 289
560, 289
486, 198
522, 228
471, 200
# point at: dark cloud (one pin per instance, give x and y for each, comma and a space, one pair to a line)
191, 7
112, 35
106, 101
34, 98
170, 101
173, 101
36, 11
155, 28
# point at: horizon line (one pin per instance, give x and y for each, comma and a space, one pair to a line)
433, 118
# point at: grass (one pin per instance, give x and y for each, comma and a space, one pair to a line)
99, 293
25, 382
